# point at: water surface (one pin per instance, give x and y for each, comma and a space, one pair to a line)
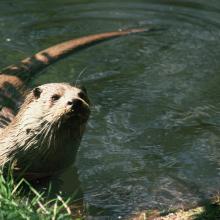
153, 139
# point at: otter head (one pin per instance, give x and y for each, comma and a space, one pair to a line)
49, 126
59, 102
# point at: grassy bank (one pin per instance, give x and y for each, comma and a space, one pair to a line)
17, 203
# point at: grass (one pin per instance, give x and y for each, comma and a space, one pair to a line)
19, 200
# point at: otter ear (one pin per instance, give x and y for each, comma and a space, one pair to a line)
37, 91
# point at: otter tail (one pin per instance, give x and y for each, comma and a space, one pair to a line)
33, 64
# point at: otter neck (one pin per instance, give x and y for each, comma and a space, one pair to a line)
49, 143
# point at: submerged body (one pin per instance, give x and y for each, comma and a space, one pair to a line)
42, 136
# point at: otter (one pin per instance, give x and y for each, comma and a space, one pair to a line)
40, 130
45, 134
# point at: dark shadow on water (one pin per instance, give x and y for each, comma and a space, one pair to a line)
211, 212
69, 190
59, 185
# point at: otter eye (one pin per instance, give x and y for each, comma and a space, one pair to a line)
55, 97
37, 91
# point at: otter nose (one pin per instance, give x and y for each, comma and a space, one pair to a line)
76, 104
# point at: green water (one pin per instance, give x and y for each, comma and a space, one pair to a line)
153, 139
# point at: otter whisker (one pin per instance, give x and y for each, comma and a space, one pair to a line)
56, 129
52, 135
48, 132
45, 142
43, 132
80, 74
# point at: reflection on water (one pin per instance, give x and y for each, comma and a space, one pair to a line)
153, 138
